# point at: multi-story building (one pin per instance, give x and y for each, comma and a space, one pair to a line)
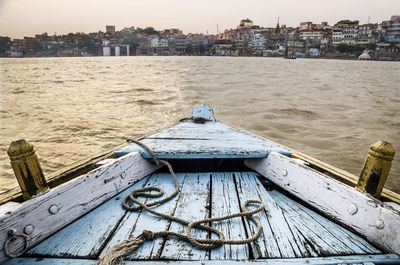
222, 47
256, 41
127, 31
312, 34
158, 46
180, 44
17, 47
171, 32
245, 23
229, 34
392, 30
296, 46
345, 31
367, 34
199, 44
31, 45
311, 31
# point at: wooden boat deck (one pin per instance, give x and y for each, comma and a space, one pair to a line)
290, 230
293, 233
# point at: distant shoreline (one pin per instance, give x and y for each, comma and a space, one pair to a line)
219, 56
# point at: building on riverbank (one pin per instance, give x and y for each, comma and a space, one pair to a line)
347, 37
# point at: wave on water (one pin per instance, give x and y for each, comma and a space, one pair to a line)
296, 112
142, 102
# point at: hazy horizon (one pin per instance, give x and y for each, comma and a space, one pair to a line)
19, 18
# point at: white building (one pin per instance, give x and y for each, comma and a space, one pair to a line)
154, 41
117, 51
366, 34
314, 52
106, 51
345, 31
106, 47
256, 41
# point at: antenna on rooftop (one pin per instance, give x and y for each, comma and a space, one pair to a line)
217, 29
369, 19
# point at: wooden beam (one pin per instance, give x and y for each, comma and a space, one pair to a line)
62, 175
342, 175
36, 219
385, 259
361, 212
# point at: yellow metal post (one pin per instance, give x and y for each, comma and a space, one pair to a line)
376, 168
27, 170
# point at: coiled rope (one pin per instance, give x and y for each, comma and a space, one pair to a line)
116, 255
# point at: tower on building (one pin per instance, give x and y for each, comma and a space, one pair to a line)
110, 29
278, 28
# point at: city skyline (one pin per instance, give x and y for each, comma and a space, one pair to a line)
19, 18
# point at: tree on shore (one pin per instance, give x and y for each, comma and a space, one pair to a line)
85, 42
5, 43
350, 49
132, 42
148, 31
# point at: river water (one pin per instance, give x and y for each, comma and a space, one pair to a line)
71, 108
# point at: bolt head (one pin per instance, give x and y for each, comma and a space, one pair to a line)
352, 209
28, 229
379, 224
53, 209
284, 172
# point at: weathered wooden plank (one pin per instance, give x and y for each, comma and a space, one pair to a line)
134, 223
368, 216
50, 261
224, 201
385, 259
325, 236
394, 205
206, 131
277, 239
209, 140
8, 207
342, 175
86, 236
183, 149
193, 204
63, 175
62, 205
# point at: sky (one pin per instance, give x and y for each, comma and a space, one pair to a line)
20, 18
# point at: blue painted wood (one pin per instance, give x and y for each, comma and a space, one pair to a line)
49, 261
134, 223
319, 226
349, 260
209, 140
297, 231
192, 204
225, 201
290, 230
84, 237
203, 111
277, 240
